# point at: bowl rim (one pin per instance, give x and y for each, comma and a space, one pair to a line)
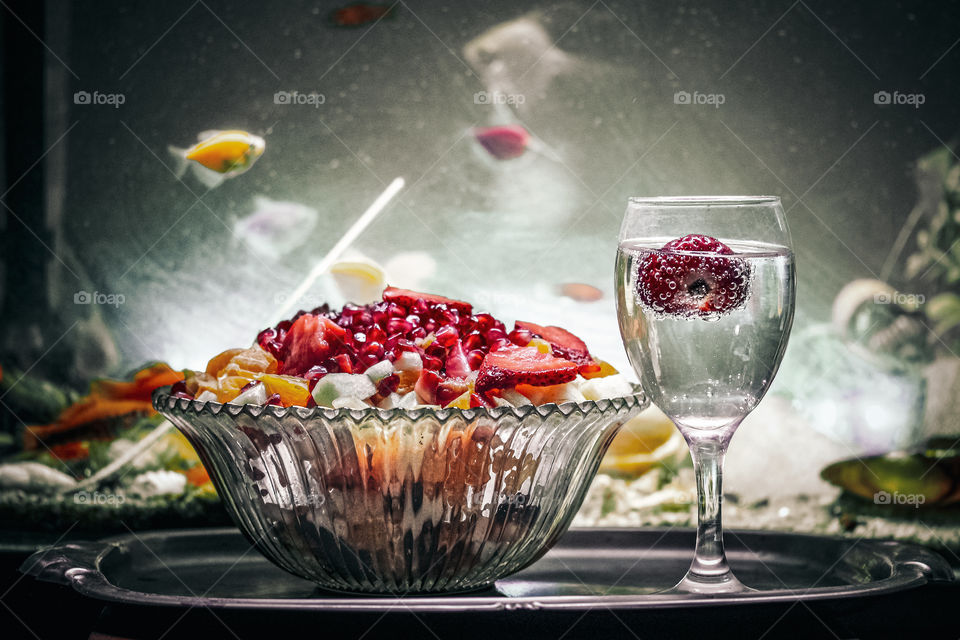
163, 402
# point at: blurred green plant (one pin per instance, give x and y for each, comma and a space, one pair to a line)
935, 264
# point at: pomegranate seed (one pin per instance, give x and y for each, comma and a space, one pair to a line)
447, 336
250, 385
474, 341
495, 334
343, 363
485, 322
367, 359
315, 372
360, 337
274, 400
398, 325
388, 385
521, 337
475, 359
435, 350
431, 362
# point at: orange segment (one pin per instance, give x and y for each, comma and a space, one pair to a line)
221, 360
606, 369
293, 391
641, 443
230, 386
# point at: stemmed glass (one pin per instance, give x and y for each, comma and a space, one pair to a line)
705, 297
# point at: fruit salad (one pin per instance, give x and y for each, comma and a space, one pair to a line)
409, 350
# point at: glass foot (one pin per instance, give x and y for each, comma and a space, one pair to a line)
713, 585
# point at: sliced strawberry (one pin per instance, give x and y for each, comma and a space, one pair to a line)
513, 365
564, 344
310, 340
408, 298
477, 401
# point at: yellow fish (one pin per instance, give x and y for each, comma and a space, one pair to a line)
219, 155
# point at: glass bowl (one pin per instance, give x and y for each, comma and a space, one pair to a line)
401, 501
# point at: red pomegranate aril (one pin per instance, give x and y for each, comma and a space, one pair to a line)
431, 362
485, 322
274, 400
500, 343
398, 325
315, 373
418, 334
388, 385
447, 336
284, 325
406, 345
372, 348
475, 359
265, 336
367, 359
435, 350
477, 401
447, 315
376, 334
450, 390
414, 320
474, 341
343, 363
520, 337
495, 334
360, 337
249, 385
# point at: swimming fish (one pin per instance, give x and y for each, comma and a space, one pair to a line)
358, 14
219, 155
276, 227
580, 292
520, 58
503, 142
926, 476
360, 279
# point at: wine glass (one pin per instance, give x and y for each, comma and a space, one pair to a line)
705, 297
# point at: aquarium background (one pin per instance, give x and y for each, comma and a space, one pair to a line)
784, 99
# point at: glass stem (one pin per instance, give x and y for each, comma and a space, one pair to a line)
709, 571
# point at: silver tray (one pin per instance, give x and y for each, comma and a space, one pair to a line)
612, 568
